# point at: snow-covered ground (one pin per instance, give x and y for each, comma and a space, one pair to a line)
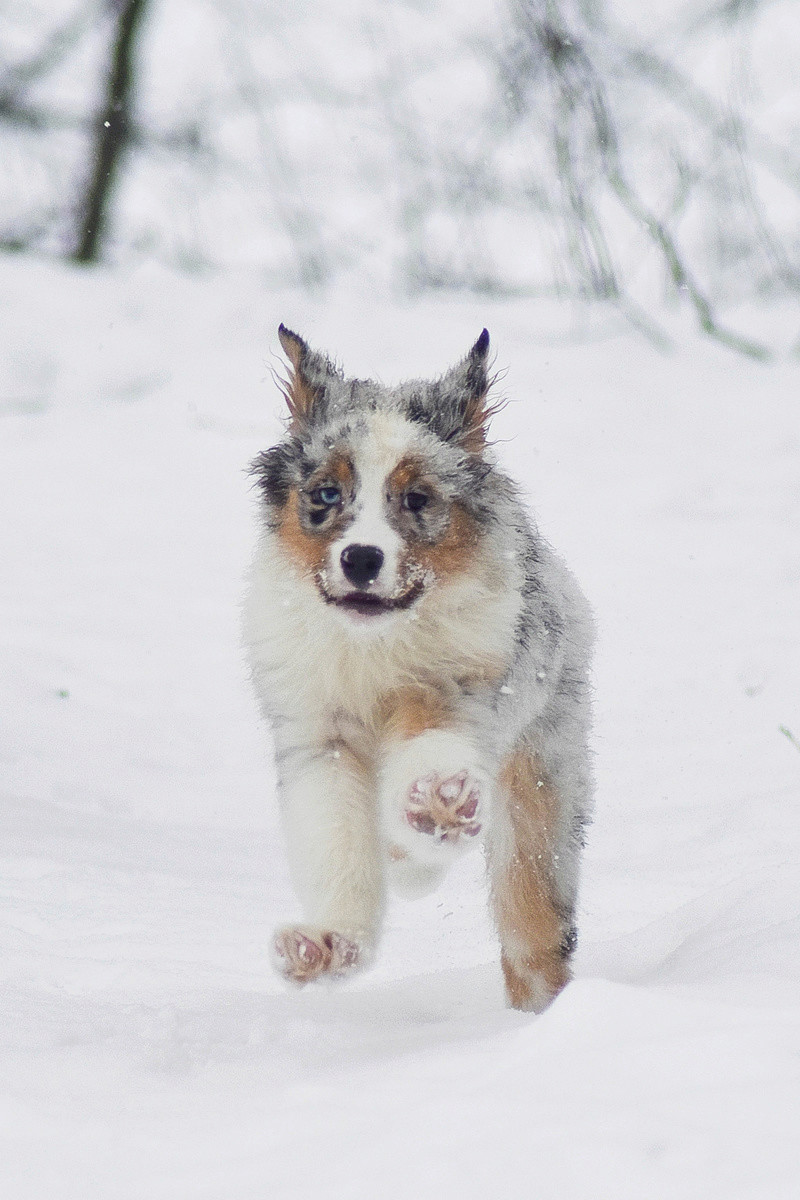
147, 1052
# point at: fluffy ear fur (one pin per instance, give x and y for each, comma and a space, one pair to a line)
464, 391
305, 387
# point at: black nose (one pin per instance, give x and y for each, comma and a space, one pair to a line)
362, 564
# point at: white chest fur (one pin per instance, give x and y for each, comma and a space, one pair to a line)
309, 660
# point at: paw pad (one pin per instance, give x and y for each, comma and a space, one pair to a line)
305, 954
444, 808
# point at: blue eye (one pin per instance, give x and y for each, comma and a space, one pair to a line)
326, 495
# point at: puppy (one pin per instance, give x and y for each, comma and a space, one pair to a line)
421, 654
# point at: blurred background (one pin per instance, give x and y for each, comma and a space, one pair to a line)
643, 157
592, 181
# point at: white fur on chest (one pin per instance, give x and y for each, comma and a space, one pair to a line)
309, 661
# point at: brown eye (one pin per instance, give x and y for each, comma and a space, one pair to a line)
414, 501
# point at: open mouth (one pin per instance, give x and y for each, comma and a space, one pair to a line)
367, 604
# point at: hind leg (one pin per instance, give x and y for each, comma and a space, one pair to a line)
537, 934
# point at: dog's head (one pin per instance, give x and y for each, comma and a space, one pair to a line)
379, 493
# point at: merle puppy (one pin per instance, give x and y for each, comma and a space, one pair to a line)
422, 656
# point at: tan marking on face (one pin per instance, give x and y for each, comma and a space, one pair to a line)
338, 469
407, 712
407, 471
530, 927
457, 551
310, 549
307, 550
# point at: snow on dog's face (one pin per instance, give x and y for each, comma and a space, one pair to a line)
378, 494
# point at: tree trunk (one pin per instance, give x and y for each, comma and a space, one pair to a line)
112, 132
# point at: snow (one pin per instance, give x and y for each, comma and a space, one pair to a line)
146, 1047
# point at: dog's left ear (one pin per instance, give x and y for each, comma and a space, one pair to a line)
466, 389
305, 388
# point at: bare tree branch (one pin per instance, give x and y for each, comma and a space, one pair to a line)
112, 131
582, 106
18, 77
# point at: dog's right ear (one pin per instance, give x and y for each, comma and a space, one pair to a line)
305, 387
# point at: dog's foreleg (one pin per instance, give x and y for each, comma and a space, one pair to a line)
537, 934
331, 829
434, 791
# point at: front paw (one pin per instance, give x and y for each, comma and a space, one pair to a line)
445, 809
304, 953
435, 797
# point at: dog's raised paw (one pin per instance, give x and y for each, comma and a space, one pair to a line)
304, 953
445, 809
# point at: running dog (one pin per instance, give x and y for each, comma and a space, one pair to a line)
422, 656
